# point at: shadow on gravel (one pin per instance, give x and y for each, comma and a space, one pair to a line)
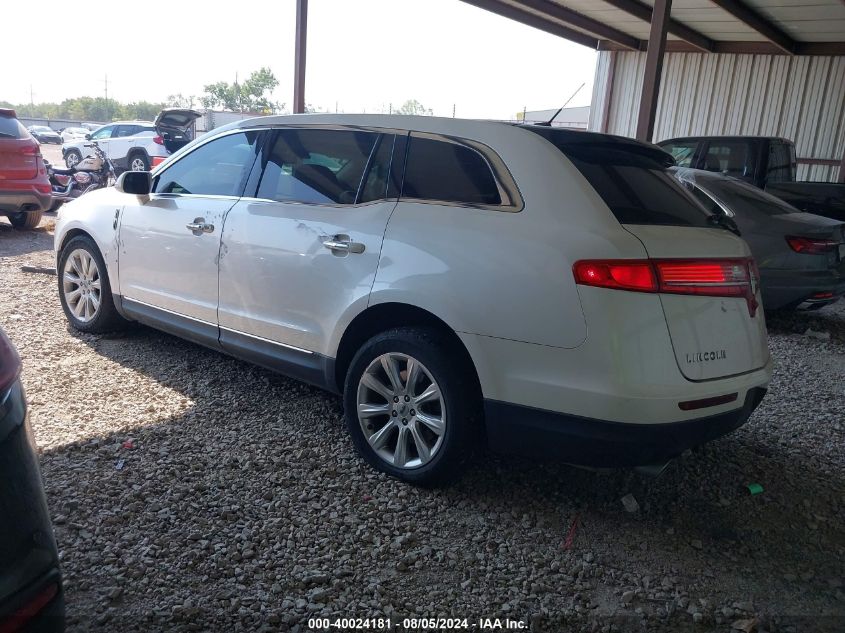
14, 242
262, 455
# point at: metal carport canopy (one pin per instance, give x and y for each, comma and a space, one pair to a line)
785, 27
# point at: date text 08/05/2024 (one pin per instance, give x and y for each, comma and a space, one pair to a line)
411, 624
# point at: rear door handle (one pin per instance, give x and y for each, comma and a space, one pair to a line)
199, 225
342, 244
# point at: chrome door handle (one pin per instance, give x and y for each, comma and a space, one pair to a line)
199, 225
339, 245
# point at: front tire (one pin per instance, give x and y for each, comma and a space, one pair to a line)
412, 406
84, 289
139, 162
25, 220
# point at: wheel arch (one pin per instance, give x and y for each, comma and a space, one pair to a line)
384, 316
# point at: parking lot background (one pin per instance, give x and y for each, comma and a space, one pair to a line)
241, 503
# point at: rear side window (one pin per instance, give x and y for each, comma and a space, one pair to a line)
732, 158
10, 127
781, 162
316, 166
449, 172
682, 151
125, 130
217, 168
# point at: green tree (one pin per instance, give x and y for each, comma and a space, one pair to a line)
412, 106
253, 95
181, 101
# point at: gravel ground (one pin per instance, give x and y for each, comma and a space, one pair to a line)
242, 507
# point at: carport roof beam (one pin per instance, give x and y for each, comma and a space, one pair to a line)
757, 22
644, 12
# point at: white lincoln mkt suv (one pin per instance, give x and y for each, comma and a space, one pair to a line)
548, 292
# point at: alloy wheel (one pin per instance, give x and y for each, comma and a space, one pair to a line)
81, 285
72, 160
138, 164
401, 410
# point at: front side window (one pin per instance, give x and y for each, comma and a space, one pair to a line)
683, 152
103, 133
316, 166
217, 168
449, 172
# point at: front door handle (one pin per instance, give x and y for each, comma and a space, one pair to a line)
199, 225
341, 244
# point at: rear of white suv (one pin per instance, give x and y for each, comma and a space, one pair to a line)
551, 292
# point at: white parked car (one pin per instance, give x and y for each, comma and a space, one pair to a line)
459, 282
70, 134
135, 145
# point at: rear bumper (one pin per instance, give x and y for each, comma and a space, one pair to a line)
29, 200
519, 429
785, 288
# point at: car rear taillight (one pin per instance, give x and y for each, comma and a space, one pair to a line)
811, 245
158, 140
32, 149
157, 160
703, 277
619, 274
18, 620
10, 363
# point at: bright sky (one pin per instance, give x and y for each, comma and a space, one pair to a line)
362, 54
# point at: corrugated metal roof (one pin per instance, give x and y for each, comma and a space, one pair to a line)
809, 27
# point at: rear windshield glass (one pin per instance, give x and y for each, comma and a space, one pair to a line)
741, 197
11, 128
632, 180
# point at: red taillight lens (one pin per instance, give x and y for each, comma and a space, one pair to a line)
10, 363
728, 277
691, 405
811, 245
620, 274
18, 620
710, 277
158, 140
157, 160
31, 150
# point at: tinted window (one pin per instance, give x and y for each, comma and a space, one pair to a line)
103, 132
11, 128
217, 168
741, 197
375, 184
316, 166
682, 151
441, 170
780, 162
732, 158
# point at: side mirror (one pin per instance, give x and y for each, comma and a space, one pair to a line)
87, 137
137, 183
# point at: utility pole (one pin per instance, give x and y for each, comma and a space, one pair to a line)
453, 110
31, 99
390, 108
108, 109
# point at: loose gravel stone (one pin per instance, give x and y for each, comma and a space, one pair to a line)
242, 506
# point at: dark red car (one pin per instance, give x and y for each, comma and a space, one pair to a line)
25, 191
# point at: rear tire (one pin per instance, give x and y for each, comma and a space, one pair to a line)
72, 158
437, 412
84, 291
25, 219
138, 162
